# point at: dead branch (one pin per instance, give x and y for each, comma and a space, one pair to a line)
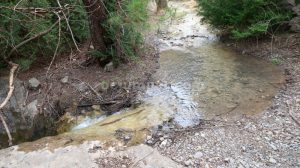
58, 43
11, 86
6, 129
14, 67
69, 27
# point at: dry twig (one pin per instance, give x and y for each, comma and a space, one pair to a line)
14, 67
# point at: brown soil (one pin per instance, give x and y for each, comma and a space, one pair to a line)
55, 96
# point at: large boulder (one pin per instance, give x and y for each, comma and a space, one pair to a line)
19, 116
88, 154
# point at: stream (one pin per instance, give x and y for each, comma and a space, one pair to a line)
199, 78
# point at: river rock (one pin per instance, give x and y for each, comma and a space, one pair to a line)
21, 117
33, 83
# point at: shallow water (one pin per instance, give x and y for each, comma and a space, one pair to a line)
200, 79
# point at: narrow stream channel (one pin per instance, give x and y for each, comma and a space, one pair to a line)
202, 79
199, 78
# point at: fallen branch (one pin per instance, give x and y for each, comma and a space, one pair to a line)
14, 67
11, 86
6, 129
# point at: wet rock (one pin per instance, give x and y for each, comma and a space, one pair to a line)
34, 83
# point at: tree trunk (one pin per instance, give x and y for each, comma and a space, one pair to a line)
161, 4
96, 12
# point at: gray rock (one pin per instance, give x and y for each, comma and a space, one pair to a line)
198, 155
109, 67
272, 160
32, 109
96, 107
65, 80
163, 144
188, 163
34, 83
79, 156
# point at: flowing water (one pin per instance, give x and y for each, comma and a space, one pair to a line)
199, 78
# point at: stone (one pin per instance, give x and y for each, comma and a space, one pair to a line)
149, 137
109, 67
198, 155
96, 107
272, 160
32, 109
150, 142
163, 144
92, 47
34, 83
65, 80
188, 163
79, 156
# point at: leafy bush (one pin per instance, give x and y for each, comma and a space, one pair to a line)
17, 26
124, 25
244, 18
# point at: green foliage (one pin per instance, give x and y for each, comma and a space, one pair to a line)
244, 18
123, 26
17, 26
276, 61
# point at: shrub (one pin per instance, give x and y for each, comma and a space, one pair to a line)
244, 18
17, 26
125, 25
